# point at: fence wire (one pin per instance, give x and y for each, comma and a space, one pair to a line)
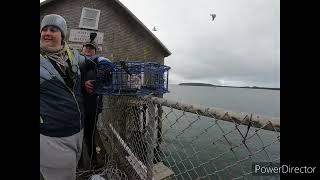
154, 138
109, 171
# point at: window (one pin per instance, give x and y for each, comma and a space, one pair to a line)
89, 18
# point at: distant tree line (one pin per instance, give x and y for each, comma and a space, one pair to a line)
212, 85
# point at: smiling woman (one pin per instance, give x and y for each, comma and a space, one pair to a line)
51, 37
61, 104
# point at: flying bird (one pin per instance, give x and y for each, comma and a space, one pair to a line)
154, 29
213, 16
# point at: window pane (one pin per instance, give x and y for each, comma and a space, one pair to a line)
89, 22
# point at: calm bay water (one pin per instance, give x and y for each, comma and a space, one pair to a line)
258, 101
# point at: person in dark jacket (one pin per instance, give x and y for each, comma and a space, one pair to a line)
92, 101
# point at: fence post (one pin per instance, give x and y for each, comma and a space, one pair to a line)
150, 137
144, 117
157, 150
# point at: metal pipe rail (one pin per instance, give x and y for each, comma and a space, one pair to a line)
249, 119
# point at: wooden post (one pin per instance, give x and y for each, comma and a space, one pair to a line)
157, 150
150, 136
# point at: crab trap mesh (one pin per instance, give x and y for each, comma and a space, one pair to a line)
104, 77
156, 78
134, 78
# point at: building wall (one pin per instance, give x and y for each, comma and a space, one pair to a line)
123, 38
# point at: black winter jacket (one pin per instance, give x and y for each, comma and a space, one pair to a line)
61, 107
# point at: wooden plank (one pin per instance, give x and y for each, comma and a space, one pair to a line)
162, 172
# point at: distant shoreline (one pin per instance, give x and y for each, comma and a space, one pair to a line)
212, 85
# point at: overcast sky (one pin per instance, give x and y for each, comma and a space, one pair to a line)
241, 47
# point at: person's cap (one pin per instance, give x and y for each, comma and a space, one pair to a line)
93, 44
55, 20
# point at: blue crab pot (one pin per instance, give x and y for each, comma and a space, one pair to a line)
128, 78
133, 78
104, 77
156, 78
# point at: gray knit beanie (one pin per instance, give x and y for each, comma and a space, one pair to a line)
55, 20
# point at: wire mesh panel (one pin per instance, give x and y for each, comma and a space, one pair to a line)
125, 138
128, 78
109, 171
119, 78
156, 78
104, 77
156, 138
131, 78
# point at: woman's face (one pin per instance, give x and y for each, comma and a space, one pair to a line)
51, 37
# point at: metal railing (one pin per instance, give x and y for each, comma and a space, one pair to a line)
155, 138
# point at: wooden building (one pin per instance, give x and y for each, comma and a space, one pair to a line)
121, 35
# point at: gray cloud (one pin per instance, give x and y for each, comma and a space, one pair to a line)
240, 47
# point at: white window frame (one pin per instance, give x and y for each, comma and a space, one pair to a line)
83, 17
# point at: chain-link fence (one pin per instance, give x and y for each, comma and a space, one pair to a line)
109, 171
155, 138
